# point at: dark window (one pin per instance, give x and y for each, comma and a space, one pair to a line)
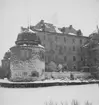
73, 48
64, 39
81, 59
74, 58
65, 58
24, 73
60, 50
74, 67
56, 38
64, 48
80, 41
73, 40
35, 74
95, 59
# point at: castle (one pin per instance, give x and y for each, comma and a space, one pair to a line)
63, 46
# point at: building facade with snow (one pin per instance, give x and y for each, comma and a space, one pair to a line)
62, 45
92, 52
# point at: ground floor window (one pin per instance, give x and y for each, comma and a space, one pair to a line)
74, 67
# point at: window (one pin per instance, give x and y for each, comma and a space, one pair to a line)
95, 60
56, 38
81, 59
80, 41
74, 58
56, 47
81, 49
64, 48
74, 67
64, 39
65, 58
73, 40
73, 48
60, 50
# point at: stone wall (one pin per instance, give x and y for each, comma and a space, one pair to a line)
27, 63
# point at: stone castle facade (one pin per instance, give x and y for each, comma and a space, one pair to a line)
62, 45
27, 60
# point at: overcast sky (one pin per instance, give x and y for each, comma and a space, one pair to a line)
82, 14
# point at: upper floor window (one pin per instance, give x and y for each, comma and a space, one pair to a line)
64, 48
56, 38
64, 39
80, 41
74, 67
60, 50
65, 58
74, 58
73, 40
73, 48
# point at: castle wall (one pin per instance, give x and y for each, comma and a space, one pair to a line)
27, 63
60, 46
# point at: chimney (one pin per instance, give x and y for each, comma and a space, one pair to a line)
70, 26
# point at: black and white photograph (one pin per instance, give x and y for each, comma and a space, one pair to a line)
49, 52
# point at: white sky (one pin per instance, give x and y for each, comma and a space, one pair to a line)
82, 14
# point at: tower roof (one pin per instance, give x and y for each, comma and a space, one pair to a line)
27, 37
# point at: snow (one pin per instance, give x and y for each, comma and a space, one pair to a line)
39, 96
40, 46
71, 33
57, 30
50, 81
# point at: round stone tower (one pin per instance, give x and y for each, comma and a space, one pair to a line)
27, 61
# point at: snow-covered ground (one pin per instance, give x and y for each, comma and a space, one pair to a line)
39, 96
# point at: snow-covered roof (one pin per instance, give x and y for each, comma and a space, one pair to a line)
57, 30
31, 31
72, 33
40, 45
